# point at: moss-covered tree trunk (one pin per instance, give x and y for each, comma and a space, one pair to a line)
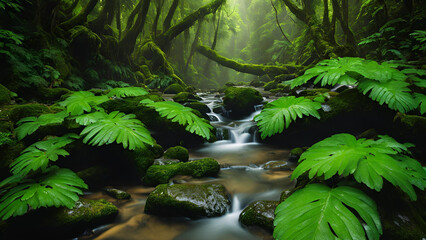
105, 17
163, 40
168, 20
79, 18
255, 69
159, 6
127, 43
194, 44
214, 43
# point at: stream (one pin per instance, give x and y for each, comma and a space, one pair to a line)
247, 172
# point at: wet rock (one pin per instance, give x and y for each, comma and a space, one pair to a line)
313, 92
117, 194
260, 213
158, 174
194, 201
183, 97
199, 106
165, 161
174, 89
276, 165
60, 223
241, 101
177, 152
295, 153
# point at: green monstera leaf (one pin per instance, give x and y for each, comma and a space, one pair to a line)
56, 187
368, 160
319, 212
117, 127
38, 155
277, 115
127, 92
182, 115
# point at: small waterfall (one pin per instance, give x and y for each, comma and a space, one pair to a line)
236, 204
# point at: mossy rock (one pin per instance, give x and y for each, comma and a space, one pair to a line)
199, 106
8, 153
188, 200
95, 176
284, 77
183, 97
241, 101
177, 152
117, 194
174, 89
4, 95
270, 85
295, 154
143, 158
259, 213
313, 92
17, 112
51, 94
158, 174
84, 44
62, 223
256, 83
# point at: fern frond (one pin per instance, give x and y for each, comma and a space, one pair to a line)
319, 212
394, 93
182, 115
57, 187
421, 101
82, 101
127, 92
277, 115
368, 160
29, 125
38, 155
117, 127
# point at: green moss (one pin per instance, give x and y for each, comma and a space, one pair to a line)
177, 152
4, 95
313, 92
241, 101
51, 94
142, 159
270, 85
189, 200
87, 212
199, 106
158, 174
295, 154
183, 97
117, 194
18, 112
8, 154
174, 89
260, 213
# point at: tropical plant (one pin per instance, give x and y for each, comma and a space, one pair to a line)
368, 160
38, 155
11, 4
182, 115
385, 83
55, 187
5, 139
320, 212
127, 92
420, 37
277, 115
29, 125
160, 81
9, 36
117, 127
82, 101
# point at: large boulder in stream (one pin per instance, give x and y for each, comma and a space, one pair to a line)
241, 101
177, 152
158, 174
259, 213
188, 200
59, 223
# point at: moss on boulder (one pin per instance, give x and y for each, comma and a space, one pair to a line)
199, 106
295, 154
117, 194
174, 89
259, 213
183, 97
313, 92
158, 174
241, 101
270, 85
143, 158
4, 95
50, 94
177, 152
188, 200
17, 112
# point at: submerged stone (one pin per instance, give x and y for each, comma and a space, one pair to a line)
193, 201
158, 174
117, 194
259, 213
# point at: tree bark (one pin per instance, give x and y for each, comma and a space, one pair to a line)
105, 17
79, 18
164, 39
160, 4
194, 44
255, 69
341, 13
167, 22
127, 44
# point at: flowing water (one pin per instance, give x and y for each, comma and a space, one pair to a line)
243, 173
